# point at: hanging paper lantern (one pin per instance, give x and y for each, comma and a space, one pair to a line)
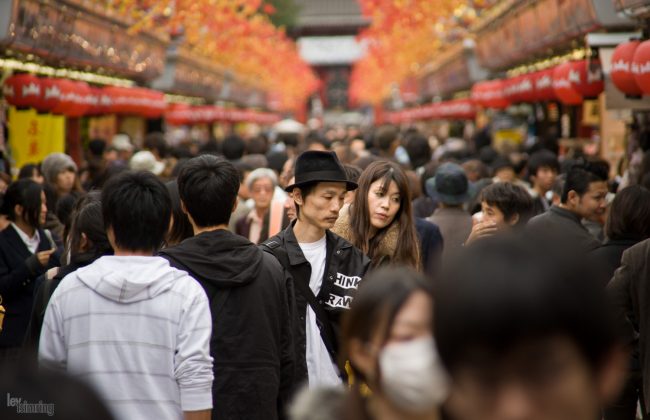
586, 77
641, 67
50, 94
562, 85
66, 101
621, 72
544, 85
22, 90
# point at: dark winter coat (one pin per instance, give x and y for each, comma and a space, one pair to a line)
345, 268
630, 292
252, 342
19, 269
561, 226
608, 256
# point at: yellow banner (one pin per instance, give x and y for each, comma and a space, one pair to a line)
33, 136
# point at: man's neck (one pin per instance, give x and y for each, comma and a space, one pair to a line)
307, 233
450, 206
198, 229
569, 209
26, 228
119, 252
261, 212
539, 190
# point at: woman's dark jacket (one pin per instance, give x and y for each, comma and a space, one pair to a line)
19, 270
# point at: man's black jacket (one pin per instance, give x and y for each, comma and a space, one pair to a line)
252, 342
344, 270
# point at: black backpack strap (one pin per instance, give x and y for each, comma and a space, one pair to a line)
324, 326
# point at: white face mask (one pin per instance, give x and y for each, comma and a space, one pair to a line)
412, 376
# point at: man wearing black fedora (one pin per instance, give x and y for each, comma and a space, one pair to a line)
326, 269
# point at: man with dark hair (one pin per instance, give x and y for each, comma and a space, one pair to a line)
543, 168
524, 334
249, 297
132, 325
325, 268
233, 147
419, 151
387, 141
583, 197
504, 206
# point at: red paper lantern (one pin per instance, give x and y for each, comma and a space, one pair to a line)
76, 98
50, 94
155, 103
66, 101
544, 85
96, 107
586, 77
562, 85
22, 90
621, 72
641, 67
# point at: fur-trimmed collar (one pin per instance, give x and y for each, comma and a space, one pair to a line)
387, 246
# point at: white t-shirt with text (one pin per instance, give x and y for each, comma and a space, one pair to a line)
320, 368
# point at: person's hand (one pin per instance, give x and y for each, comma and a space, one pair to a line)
481, 230
44, 256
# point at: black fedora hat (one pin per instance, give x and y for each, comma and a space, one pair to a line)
316, 166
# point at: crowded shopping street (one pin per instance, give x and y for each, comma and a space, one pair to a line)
325, 209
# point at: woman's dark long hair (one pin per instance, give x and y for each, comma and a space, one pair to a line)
406, 251
27, 194
378, 301
629, 215
87, 219
181, 226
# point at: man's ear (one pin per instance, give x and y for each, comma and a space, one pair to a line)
18, 210
573, 198
514, 219
183, 208
612, 375
110, 234
297, 196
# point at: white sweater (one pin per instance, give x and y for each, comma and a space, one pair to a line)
139, 331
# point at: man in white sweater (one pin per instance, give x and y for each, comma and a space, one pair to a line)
133, 326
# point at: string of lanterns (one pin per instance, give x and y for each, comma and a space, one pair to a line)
235, 34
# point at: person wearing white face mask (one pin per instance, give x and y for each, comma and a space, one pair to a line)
387, 340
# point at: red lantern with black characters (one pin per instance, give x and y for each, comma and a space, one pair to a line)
562, 86
586, 77
22, 90
641, 67
621, 72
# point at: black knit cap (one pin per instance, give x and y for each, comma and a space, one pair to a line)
316, 166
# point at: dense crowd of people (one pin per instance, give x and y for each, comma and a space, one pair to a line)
341, 274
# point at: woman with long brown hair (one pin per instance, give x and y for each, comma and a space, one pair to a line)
380, 221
